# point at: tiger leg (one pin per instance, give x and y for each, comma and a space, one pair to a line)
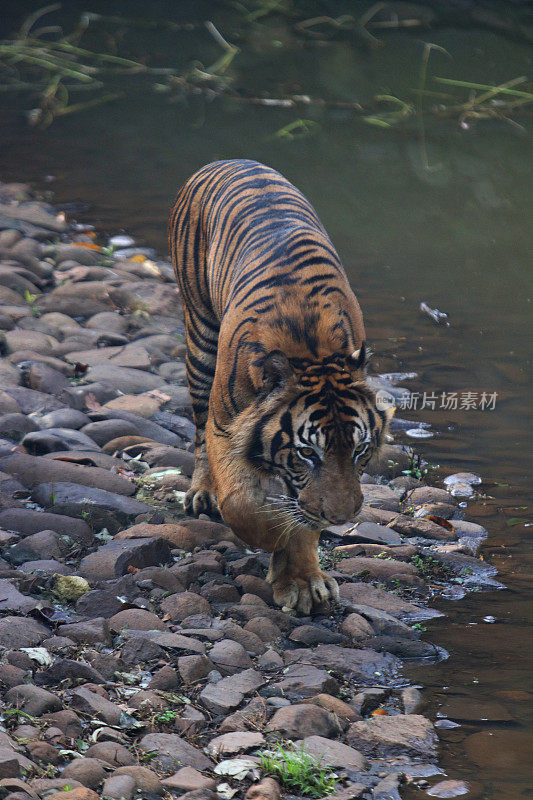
297, 581
202, 336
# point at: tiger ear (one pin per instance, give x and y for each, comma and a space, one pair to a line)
359, 359
276, 372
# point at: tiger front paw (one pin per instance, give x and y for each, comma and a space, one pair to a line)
201, 501
301, 594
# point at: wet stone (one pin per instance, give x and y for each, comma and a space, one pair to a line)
304, 681
114, 559
173, 752
409, 734
229, 657
88, 771
33, 700
112, 753
333, 753
299, 721
232, 743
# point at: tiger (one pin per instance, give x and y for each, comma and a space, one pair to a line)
276, 367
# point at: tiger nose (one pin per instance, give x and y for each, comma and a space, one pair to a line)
335, 519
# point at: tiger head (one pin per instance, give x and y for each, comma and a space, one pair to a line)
316, 426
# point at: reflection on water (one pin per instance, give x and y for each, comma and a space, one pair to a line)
456, 236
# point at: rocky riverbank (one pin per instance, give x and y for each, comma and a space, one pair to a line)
141, 654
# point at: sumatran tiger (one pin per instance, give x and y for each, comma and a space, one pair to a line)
276, 362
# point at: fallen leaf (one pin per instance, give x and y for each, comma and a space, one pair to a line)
39, 654
87, 245
380, 712
91, 402
442, 521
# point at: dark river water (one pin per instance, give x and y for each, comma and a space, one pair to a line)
441, 215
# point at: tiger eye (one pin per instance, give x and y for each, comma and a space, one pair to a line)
307, 452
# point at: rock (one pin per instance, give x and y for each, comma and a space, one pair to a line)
428, 494
32, 471
451, 788
368, 595
147, 701
264, 628
175, 534
15, 426
220, 700
142, 404
104, 431
386, 736
182, 605
189, 779
297, 722
37, 547
359, 665
88, 771
12, 600
267, 789
119, 787
70, 588
55, 440
166, 679
11, 676
170, 641
126, 380
65, 669
19, 339
91, 703
33, 700
67, 721
193, 668
387, 788
411, 699
43, 752
94, 631
236, 742
9, 765
6, 756
136, 619
304, 681
356, 627
191, 722
146, 781
381, 569
252, 584
114, 559
64, 418
80, 793
112, 753
367, 532
333, 753
245, 682
26, 521
382, 623
101, 506
252, 717
344, 713
172, 752
377, 496
310, 635
229, 657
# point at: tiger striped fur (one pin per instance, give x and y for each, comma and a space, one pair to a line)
276, 366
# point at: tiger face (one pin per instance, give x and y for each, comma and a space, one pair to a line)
316, 429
